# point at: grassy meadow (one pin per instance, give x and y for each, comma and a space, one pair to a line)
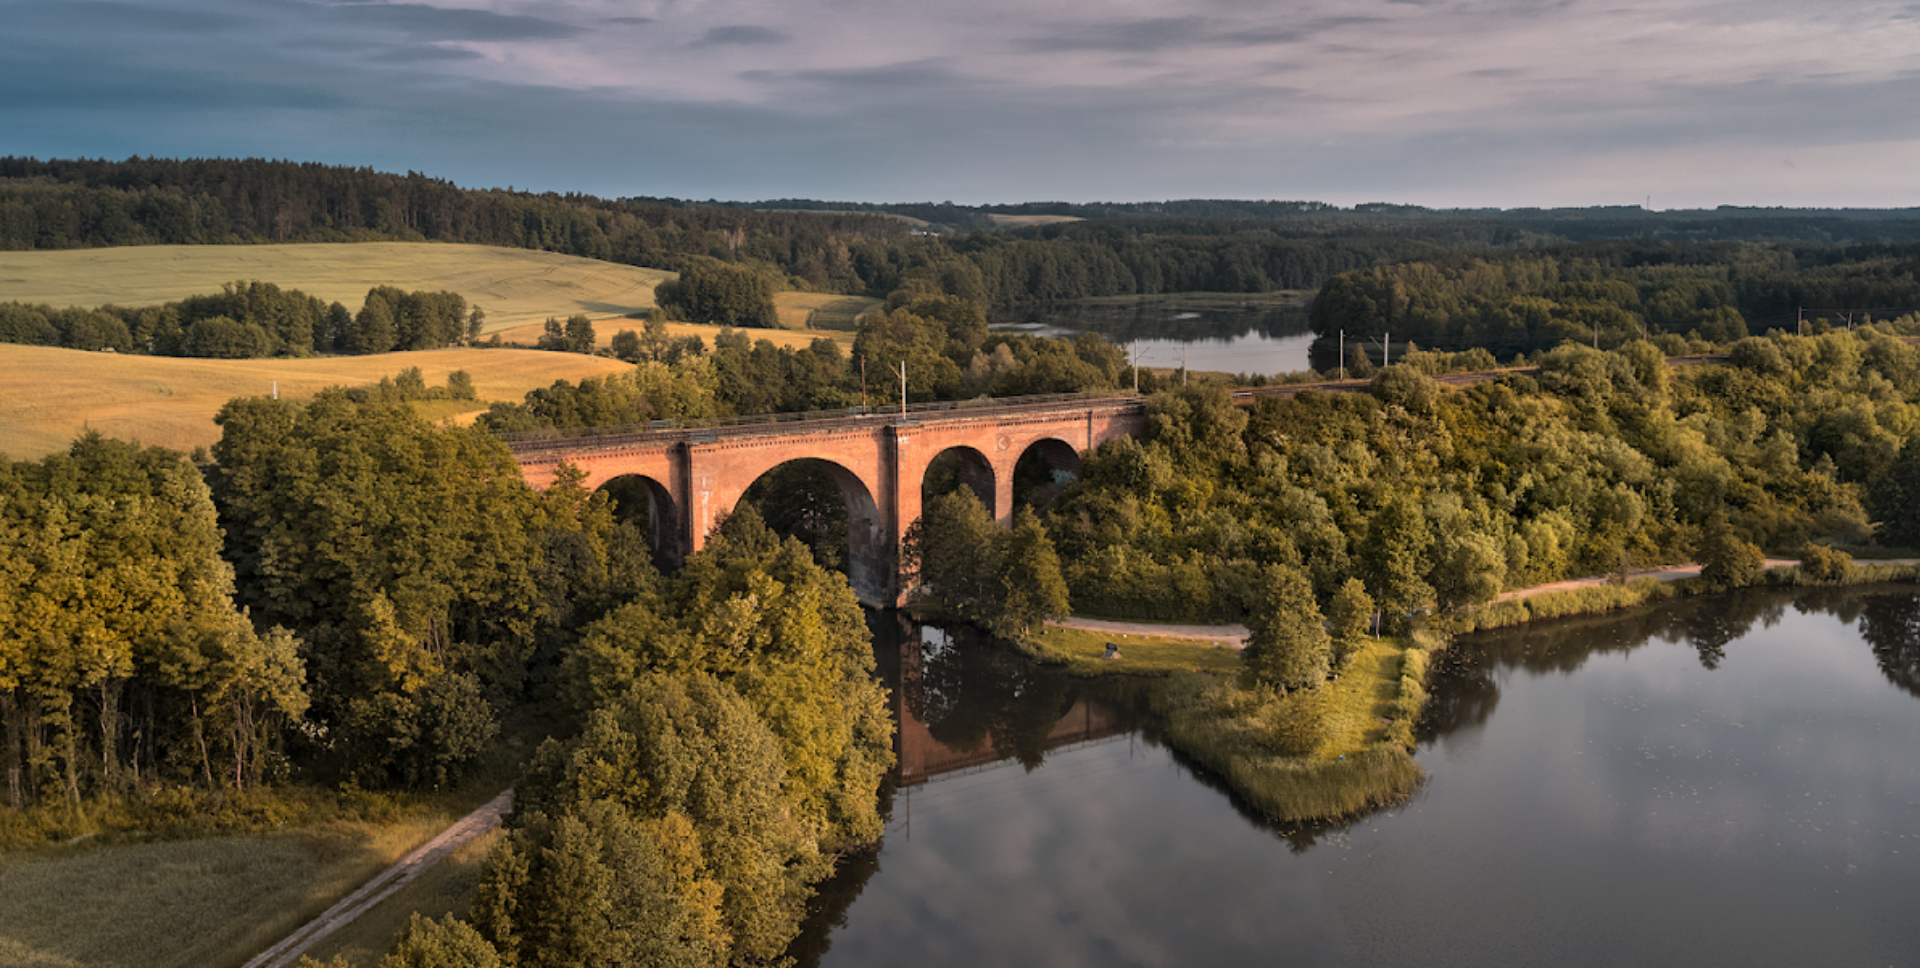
211, 902
48, 395
823, 310
1083, 652
1325, 753
515, 287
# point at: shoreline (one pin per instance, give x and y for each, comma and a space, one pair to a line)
1219, 727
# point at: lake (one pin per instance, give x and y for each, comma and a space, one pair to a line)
1261, 333
1731, 781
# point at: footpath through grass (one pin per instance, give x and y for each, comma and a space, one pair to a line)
1083, 653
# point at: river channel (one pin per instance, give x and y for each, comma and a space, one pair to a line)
1733, 781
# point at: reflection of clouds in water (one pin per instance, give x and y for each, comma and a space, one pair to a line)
1107, 855
1621, 804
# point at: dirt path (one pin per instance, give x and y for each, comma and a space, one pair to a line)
385, 884
1664, 573
1236, 635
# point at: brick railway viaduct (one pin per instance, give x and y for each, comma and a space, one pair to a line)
694, 476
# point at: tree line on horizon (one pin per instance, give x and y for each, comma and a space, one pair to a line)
1141, 249
1611, 293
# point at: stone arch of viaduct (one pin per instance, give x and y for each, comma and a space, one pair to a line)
696, 476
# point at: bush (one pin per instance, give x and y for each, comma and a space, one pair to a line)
1819, 563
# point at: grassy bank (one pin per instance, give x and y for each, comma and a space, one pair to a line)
1083, 653
1326, 753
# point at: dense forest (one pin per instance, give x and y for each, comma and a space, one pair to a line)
1120, 249
350, 596
1610, 293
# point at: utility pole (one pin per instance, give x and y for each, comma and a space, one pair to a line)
1133, 352
863, 383
1183, 362
903, 388
1342, 360
1803, 320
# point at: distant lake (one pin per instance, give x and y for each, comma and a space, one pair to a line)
1229, 333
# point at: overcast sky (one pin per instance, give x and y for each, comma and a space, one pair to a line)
1434, 102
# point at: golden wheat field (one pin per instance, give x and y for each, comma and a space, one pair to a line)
48, 396
515, 287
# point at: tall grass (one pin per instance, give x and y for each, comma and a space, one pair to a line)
208, 902
1560, 604
1342, 764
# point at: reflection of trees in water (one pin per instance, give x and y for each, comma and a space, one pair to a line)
1713, 623
1465, 687
1891, 626
827, 909
972, 692
1298, 835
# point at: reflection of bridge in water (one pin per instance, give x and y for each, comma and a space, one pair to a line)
924, 758
986, 696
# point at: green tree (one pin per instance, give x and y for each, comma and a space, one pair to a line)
579, 334
1726, 560
589, 886
375, 330
403, 551
446, 943
720, 294
1287, 645
626, 345
1469, 569
1823, 564
690, 754
953, 557
1032, 588
1348, 614
1894, 499
1392, 558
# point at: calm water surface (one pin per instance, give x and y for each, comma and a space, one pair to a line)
1210, 332
1733, 782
